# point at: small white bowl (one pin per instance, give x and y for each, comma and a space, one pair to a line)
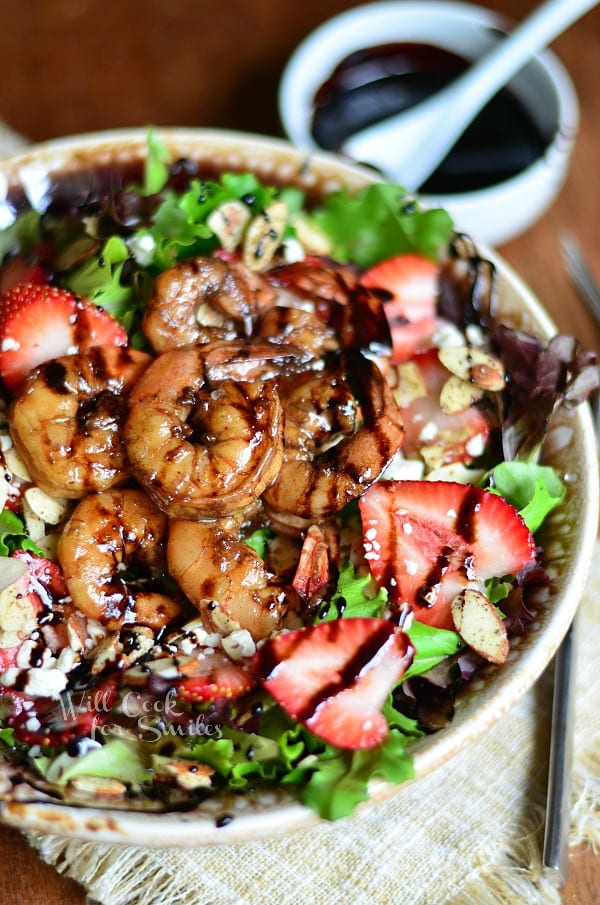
495, 214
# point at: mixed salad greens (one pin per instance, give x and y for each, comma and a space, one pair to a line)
121, 734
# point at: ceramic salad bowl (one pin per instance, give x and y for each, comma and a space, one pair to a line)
567, 536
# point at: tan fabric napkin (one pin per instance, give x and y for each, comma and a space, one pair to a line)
469, 834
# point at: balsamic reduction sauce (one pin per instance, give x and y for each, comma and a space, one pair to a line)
374, 83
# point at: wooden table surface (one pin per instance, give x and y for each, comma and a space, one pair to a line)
70, 66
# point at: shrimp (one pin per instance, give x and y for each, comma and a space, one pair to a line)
108, 533
343, 308
226, 580
342, 428
203, 299
66, 422
304, 329
203, 451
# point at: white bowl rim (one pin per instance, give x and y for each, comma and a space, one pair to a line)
189, 829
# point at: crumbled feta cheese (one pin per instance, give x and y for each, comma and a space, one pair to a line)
239, 644
447, 335
45, 683
142, 249
476, 445
429, 431
402, 469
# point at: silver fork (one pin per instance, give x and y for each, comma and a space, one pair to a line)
558, 801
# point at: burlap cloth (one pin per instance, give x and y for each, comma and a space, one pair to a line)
471, 832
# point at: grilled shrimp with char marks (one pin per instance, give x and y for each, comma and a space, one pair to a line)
342, 428
203, 299
226, 580
204, 449
107, 534
66, 422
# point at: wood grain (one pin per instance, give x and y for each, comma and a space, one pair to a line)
71, 66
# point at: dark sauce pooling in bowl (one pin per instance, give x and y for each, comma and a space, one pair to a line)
374, 83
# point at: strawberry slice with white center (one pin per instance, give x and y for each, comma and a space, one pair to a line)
430, 433
39, 322
75, 714
426, 540
410, 284
212, 675
335, 677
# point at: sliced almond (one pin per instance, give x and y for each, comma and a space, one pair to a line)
108, 651
15, 464
216, 619
457, 395
478, 623
188, 774
18, 615
98, 785
311, 238
475, 366
263, 236
434, 455
51, 510
11, 570
228, 222
457, 472
36, 527
411, 384
140, 642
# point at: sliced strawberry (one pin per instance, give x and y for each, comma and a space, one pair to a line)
335, 677
212, 674
8, 655
410, 282
39, 322
413, 337
437, 437
426, 540
44, 582
76, 714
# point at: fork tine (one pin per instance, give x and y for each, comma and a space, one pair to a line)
580, 274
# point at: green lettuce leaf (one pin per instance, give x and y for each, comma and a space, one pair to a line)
333, 783
99, 279
239, 757
353, 597
23, 234
156, 164
432, 645
8, 737
535, 490
13, 535
120, 758
258, 540
378, 222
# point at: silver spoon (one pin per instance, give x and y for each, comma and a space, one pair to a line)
408, 146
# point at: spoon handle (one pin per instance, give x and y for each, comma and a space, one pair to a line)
529, 37
410, 145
